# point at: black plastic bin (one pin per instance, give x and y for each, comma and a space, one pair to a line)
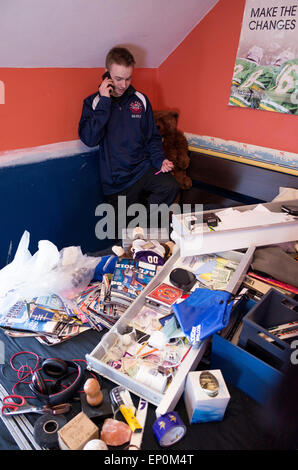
272, 310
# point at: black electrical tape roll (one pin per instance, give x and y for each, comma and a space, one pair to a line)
46, 430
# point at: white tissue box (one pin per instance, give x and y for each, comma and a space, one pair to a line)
200, 406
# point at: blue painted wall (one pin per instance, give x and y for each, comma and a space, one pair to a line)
54, 200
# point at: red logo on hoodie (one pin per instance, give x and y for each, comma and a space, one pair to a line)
136, 107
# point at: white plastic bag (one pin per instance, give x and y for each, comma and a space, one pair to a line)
48, 271
72, 274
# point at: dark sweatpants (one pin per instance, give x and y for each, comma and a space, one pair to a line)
158, 189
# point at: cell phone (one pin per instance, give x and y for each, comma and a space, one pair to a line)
107, 75
290, 209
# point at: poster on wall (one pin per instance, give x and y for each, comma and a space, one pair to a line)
265, 74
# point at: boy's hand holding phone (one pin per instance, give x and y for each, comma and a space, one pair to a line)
106, 86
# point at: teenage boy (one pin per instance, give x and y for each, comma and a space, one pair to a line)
120, 120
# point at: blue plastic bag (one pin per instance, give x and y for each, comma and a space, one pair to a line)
105, 266
203, 313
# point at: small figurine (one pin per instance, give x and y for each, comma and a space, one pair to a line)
94, 395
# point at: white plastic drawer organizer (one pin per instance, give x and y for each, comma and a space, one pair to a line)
239, 227
159, 389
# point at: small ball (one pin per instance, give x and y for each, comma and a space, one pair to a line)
96, 444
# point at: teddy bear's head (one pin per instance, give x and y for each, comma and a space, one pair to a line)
166, 121
174, 144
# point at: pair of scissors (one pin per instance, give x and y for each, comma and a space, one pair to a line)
17, 402
21, 406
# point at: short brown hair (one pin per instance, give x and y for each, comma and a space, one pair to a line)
120, 56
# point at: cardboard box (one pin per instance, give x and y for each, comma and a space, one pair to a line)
77, 432
200, 406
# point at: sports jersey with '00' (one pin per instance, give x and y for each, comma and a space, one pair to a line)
149, 251
150, 257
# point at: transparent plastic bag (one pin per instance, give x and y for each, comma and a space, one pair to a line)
73, 272
48, 271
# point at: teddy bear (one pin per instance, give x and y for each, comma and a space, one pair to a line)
174, 144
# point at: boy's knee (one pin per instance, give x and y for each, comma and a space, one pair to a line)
173, 187
176, 186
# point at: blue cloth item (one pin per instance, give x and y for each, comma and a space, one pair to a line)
105, 266
203, 313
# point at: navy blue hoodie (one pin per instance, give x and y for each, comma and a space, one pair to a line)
125, 130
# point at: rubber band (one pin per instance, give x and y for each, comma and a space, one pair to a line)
24, 396
24, 352
27, 373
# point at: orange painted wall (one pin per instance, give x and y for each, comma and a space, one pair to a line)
43, 106
196, 79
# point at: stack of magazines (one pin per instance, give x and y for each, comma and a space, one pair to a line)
104, 304
53, 319
50, 319
95, 303
130, 278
